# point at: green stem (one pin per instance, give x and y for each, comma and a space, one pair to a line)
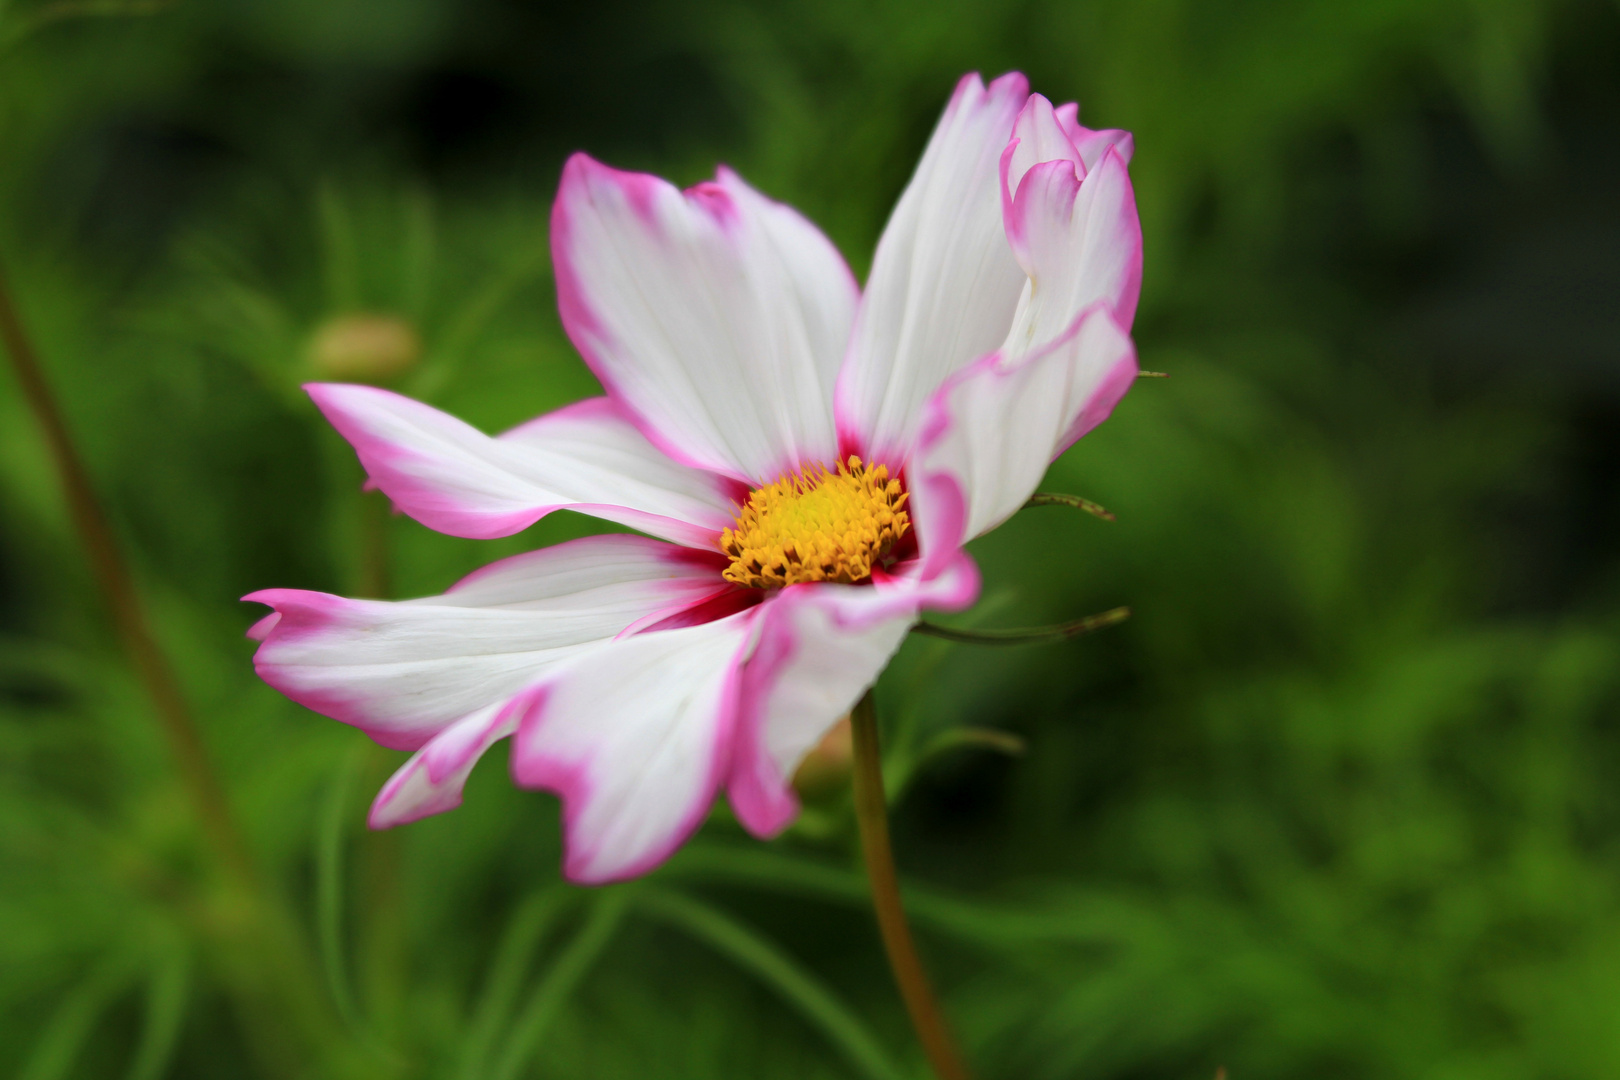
872, 816
329, 891
1031, 635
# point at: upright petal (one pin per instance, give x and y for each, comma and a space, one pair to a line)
636, 738
403, 672
1037, 137
1092, 145
587, 457
820, 647
944, 283
1080, 242
716, 315
994, 428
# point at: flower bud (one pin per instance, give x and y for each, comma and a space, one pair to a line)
364, 347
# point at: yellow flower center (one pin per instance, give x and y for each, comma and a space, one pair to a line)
816, 526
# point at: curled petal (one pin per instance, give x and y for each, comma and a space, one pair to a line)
993, 429
587, 457
1037, 138
1080, 242
1092, 145
635, 737
944, 284
820, 647
717, 316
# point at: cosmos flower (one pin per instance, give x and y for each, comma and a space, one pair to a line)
805, 460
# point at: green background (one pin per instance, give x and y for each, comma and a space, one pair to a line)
1342, 799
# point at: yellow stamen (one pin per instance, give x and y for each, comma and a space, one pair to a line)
816, 526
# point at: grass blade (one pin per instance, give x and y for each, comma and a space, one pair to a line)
524, 934
69, 1028
796, 986
552, 989
167, 991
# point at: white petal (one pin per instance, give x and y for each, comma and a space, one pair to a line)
1080, 242
820, 647
405, 671
944, 284
717, 316
636, 738
587, 457
994, 428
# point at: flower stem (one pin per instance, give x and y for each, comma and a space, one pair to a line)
871, 812
1052, 498
1030, 635
129, 618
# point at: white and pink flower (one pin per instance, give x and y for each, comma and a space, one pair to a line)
744, 368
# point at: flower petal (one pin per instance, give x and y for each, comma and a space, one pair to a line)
944, 284
1080, 242
994, 428
635, 737
587, 457
717, 316
432, 780
820, 647
1037, 137
1092, 145
403, 672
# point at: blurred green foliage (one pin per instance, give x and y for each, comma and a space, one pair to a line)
1341, 800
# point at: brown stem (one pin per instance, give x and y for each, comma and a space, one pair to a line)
261, 954
871, 812
119, 591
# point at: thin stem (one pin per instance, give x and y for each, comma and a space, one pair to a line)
872, 815
1030, 635
374, 578
329, 871
381, 952
1052, 498
185, 742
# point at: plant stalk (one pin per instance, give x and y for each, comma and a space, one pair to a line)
872, 815
260, 949
118, 589
1030, 635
